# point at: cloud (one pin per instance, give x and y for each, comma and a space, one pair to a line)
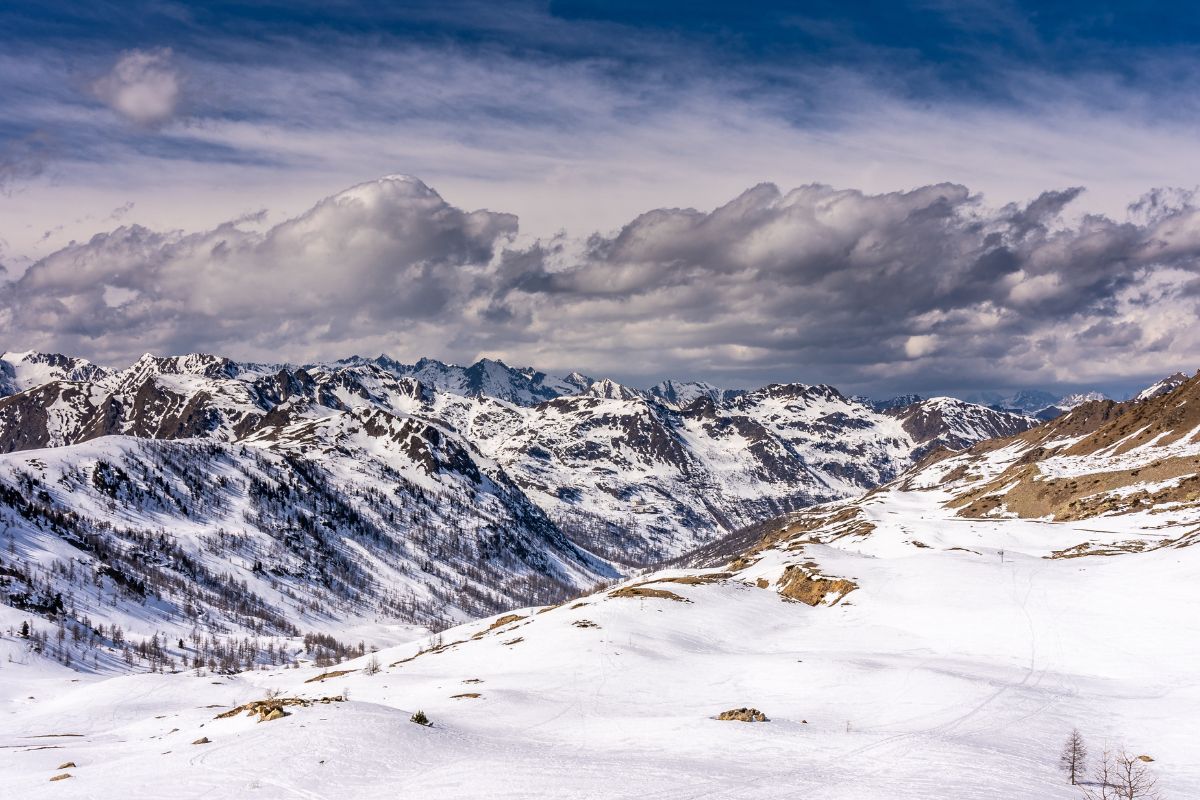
144, 86
379, 256
23, 158
927, 288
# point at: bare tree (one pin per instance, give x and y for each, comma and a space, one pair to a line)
372, 667
1074, 755
1121, 776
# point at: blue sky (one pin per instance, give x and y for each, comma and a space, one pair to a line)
577, 117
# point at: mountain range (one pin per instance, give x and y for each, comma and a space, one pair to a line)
195, 490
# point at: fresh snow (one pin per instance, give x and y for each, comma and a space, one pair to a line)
955, 669
949, 673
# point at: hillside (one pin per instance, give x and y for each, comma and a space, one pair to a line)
197, 493
910, 643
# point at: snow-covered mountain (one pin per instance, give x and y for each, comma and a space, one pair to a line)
1030, 400
1165, 386
160, 493
952, 424
484, 378
1067, 402
21, 371
919, 641
1040, 405
684, 393
899, 401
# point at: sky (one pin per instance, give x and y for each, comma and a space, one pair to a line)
932, 197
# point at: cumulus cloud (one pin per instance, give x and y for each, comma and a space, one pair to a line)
144, 86
928, 288
379, 256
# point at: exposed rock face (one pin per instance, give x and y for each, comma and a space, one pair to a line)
1102, 458
944, 422
743, 715
800, 583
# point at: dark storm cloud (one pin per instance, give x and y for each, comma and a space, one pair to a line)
921, 287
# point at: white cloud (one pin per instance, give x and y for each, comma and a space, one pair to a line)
920, 345
144, 86
927, 288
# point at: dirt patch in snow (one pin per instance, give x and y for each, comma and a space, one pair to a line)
798, 583
1083, 496
505, 620
639, 591
694, 580
1187, 539
743, 715
337, 673
437, 648
272, 708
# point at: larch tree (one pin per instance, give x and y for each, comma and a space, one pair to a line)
1074, 756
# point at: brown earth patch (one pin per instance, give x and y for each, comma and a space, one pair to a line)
797, 583
438, 648
466, 696
337, 673
1186, 539
693, 580
505, 620
743, 715
638, 591
272, 708
1082, 496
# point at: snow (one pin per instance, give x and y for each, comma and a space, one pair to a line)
947, 673
955, 669
1168, 384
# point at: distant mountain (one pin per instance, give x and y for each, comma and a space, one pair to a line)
1036, 403
992, 399
952, 424
1079, 398
1030, 400
899, 401
21, 371
684, 393
485, 378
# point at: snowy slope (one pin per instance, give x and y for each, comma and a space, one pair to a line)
21, 371
899, 649
1167, 384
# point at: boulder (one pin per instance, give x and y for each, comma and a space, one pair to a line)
743, 715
